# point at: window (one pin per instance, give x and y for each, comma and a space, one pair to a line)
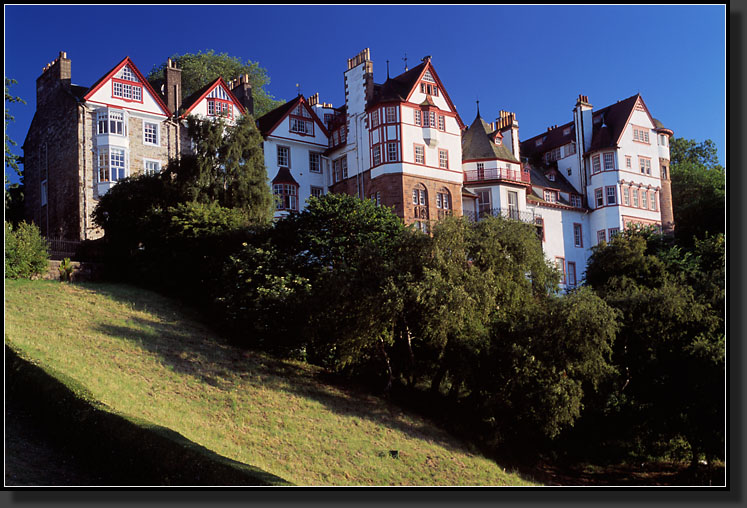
645, 165
317, 192
429, 89
443, 159
598, 197
219, 107
609, 161
418, 196
513, 205
613, 232
442, 199
419, 154
652, 194
375, 119
539, 223
552, 155
391, 114
151, 167
664, 172
628, 162
151, 133
570, 149
112, 164
571, 273
601, 236
301, 126
551, 196
576, 200
663, 139
635, 197
336, 170
644, 199
483, 201
392, 152
595, 164
44, 192
441, 122
284, 156
376, 152
418, 120
480, 170
626, 196
315, 162
560, 263
343, 163
111, 122
578, 239
286, 196
611, 192
125, 85
430, 118
550, 176
640, 134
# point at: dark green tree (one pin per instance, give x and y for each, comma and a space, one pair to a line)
698, 189
670, 349
203, 67
227, 166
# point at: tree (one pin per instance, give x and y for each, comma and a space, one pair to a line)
227, 167
202, 68
13, 192
698, 189
670, 351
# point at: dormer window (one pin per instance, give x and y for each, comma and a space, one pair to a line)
550, 176
551, 196
125, 85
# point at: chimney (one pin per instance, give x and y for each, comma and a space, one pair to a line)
55, 75
242, 89
359, 82
173, 90
314, 100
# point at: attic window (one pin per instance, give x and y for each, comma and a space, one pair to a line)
127, 74
428, 77
125, 85
551, 196
218, 107
429, 89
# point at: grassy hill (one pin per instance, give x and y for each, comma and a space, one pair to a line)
142, 356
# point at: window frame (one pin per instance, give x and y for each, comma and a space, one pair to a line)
560, 263
157, 133
417, 146
572, 281
315, 159
283, 147
151, 161
612, 194
599, 197
578, 235
443, 158
288, 200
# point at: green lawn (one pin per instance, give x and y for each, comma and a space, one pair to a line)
142, 355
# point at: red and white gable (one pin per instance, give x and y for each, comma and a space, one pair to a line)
125, 87
217, 100
300, 123
429, 89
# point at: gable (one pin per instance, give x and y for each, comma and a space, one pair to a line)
427, 81
292, 119
212, 100
125, 87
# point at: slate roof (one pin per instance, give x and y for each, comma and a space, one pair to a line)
398, 87
550, 139
266, 122
477, 143
613, 120
284, 176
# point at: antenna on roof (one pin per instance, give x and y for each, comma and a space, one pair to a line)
405, 59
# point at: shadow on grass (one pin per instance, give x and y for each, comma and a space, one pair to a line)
191, 349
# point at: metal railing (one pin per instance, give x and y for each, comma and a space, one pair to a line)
514, 175
507, 213
60, 248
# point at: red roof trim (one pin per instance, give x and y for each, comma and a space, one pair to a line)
128, 61
630, 115
300, 99
429, 67
217, 82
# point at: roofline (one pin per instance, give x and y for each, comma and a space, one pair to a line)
209, 89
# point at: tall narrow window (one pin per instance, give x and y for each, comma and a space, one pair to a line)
578, 238
652, 194
443, 159
483, 201
376, 153
571, 273
441, 122
626, 196
560, 263
599, 197
315, 162
595, 164
635, 197
418, 120
392, 152
391, 114
419, 154
283, 156
611, 195
609, 161
601, 236
644, 199
44, 192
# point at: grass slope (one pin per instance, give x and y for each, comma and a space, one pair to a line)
139, 354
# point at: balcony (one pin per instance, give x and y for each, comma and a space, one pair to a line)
507, 213
483, 175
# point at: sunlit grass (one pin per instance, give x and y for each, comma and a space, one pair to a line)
142, 355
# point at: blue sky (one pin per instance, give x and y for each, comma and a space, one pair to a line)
531, 60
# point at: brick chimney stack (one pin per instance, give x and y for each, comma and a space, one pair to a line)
173, 90
242, 89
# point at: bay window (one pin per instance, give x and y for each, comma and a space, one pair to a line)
286, 196
112, 164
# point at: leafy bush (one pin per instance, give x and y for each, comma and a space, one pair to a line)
66, 270
26, 251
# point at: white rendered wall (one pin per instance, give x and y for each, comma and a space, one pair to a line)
559, 237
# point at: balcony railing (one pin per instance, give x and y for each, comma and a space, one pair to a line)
480, 175
506, 213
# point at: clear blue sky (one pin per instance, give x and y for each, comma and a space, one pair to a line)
531, 60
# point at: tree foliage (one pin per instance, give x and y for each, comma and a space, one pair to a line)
13, 192
26, 252
227, 167
670, 351
204, 67
698, 189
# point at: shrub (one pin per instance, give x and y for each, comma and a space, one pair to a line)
66, 270
26, 252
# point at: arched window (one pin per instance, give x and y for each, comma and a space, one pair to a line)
443, 202
420, 206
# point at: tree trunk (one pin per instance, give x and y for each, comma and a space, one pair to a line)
408, 337
390, 378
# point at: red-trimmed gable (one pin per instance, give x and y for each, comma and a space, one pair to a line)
192, 101
146, 85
